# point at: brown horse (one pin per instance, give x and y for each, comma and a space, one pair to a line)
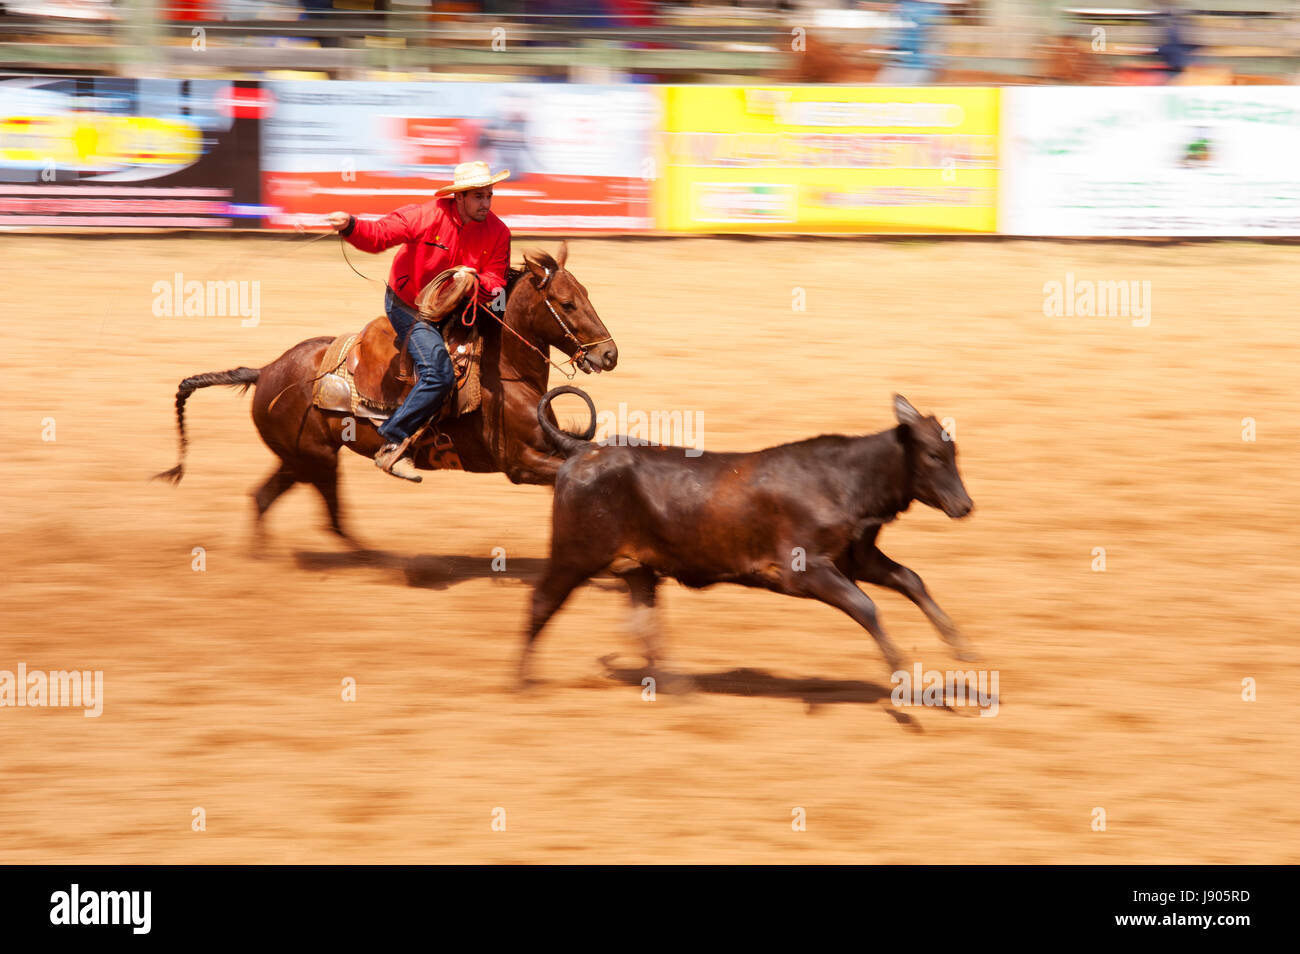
545, 307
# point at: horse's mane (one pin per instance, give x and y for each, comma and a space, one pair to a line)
513, 275
535, 255
492, 328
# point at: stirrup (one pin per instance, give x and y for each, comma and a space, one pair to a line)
391, 460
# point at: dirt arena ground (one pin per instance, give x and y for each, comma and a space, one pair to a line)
1120, 690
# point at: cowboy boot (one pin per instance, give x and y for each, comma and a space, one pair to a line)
391, 459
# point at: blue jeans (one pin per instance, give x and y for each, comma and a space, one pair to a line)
432, 367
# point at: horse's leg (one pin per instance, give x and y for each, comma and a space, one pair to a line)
275, 485
298, 433
322, 472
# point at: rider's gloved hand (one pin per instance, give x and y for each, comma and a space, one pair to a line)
338, 221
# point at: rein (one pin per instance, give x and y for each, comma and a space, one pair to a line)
467, 318
581, 349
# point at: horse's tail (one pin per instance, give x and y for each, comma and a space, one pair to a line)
239, 377
566, 443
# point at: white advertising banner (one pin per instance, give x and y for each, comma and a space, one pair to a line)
1109, 161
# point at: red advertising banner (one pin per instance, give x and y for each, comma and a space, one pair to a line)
579, 156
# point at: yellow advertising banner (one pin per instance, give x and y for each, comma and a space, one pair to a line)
91, 141
828, 159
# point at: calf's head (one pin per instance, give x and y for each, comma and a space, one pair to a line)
931, 461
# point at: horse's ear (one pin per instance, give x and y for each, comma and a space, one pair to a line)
564, 254
542, 266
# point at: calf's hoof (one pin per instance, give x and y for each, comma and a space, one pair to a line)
524, 673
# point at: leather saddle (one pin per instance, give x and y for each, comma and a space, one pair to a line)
370, 373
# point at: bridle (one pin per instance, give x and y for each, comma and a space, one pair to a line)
467, 317
580, 351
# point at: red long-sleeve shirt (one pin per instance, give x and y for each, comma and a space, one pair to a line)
484, 246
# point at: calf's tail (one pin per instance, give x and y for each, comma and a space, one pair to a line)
239, 377
565, 442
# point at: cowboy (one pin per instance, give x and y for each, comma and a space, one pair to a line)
456, 230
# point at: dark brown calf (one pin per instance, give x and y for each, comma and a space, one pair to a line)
799, 519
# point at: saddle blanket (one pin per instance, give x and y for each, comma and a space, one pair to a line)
336, 387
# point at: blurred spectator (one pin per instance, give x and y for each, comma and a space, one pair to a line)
1175, 51
588, 14
504, 143
1071, 61
916, 63
632, 13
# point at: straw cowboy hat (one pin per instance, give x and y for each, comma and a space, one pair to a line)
471, 175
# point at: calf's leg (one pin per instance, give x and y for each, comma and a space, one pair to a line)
874, 567
824, 582
554, 588
641, 584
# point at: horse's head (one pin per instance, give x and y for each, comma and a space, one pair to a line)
558, 312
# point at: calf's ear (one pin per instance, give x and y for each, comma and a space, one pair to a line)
904, 411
